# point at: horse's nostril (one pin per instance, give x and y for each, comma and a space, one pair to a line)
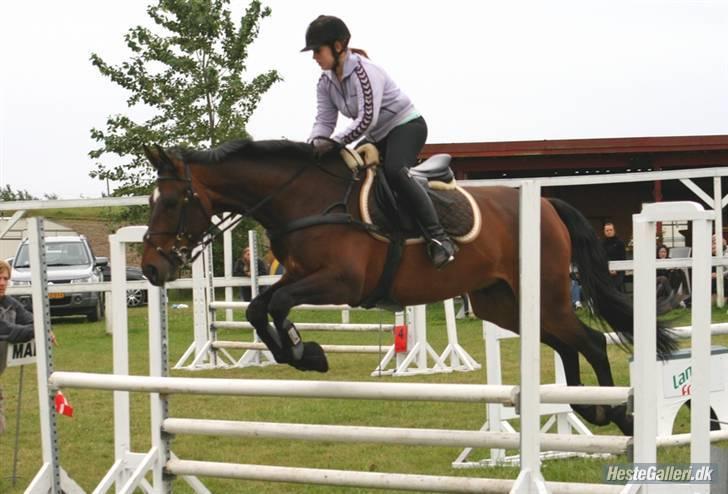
151, 273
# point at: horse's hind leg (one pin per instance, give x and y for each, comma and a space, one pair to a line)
595, 352
567, 336
597, 415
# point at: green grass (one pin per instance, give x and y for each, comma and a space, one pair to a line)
87, 439
75, 213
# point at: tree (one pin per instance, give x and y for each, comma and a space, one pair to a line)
191, 76
8, 194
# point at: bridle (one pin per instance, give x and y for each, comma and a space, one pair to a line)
179, 254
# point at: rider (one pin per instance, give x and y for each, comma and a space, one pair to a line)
352, 85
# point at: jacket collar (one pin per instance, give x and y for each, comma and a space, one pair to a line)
350, 63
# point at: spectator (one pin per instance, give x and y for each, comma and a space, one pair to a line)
16, 326
242, 268
674, 278
616, 251
575, 289
714, 274
276, 268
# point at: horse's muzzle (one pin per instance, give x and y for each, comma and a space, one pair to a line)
152, 274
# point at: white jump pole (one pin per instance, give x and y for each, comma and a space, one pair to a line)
718, 227
530, 479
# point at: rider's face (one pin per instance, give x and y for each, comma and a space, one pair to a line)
324, 57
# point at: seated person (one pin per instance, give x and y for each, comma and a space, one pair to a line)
714, 274
670, 280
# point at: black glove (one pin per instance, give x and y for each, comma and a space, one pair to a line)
322, 146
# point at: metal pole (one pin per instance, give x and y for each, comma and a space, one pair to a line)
44, 362
253, 244
227, 255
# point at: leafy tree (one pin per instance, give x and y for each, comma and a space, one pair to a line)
8, 194
191, 76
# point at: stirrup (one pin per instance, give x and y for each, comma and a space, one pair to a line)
441, 253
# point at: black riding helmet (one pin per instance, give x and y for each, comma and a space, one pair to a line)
325, 30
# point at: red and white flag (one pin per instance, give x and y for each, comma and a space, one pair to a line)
62, 405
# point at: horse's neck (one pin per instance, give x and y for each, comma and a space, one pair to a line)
238, 187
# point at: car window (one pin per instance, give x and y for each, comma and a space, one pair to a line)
57, 254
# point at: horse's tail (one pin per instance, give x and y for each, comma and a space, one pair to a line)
602, 297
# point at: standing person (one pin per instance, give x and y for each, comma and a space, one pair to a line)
616, 251
16, 326
242, 268
358, 89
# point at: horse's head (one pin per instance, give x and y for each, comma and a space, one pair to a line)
179, 217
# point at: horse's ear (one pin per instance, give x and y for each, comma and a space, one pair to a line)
159, 159
152, 155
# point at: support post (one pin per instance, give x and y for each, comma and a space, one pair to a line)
718, 223
227, 252
700, 345
530, 479
645, 341
48, 478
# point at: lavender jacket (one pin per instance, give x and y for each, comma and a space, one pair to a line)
365, 94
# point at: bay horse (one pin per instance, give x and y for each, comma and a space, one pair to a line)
280, 183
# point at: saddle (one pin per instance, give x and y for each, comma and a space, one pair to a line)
379, 205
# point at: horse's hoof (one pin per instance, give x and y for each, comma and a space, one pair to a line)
594, 414
622, 419
314, 358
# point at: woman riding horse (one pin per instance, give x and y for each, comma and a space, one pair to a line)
291, 189
383, 115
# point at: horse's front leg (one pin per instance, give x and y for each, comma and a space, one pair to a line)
318, 288
257, 315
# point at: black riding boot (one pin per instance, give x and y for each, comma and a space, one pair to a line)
440, 247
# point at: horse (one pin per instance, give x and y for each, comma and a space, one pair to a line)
331, 258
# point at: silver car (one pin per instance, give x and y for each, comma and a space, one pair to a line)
70, 260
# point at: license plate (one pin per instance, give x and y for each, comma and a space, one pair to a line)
56, 295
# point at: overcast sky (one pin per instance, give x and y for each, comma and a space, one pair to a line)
477, 70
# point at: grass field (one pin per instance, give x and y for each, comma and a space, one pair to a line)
87, 441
